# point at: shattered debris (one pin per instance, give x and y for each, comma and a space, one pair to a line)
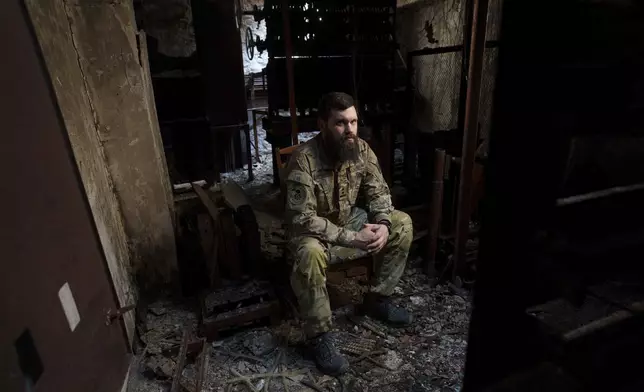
429, 355
260, 342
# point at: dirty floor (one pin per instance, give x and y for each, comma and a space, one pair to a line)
428, 356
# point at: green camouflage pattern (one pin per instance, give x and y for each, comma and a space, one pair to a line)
319, 195
322, 217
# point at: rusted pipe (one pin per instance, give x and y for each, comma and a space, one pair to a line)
435, 210
288, 47
477, 50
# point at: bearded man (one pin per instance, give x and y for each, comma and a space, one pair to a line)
324, 178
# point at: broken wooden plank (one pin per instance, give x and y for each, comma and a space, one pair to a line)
207, 201
181, 360
234, 195
233, 295
203, 365
238, 317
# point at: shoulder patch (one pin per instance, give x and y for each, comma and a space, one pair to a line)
296, 194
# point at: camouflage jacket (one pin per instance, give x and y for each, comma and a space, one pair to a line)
320, 196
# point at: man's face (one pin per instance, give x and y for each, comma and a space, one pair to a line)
341, 129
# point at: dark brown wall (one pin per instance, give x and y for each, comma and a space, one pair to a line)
47, 238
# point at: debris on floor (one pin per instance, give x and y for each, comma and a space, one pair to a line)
429, 355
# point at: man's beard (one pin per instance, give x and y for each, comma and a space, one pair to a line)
343, 150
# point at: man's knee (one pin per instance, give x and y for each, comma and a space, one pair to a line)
310, 260
402, 228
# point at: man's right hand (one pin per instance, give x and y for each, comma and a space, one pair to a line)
363, 238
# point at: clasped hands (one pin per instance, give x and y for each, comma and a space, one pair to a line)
372, 237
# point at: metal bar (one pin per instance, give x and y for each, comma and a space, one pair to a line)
111, 316
289, 70
435, 210
618, 190
254, 112
447, 49
249, 154
479, 25
218, 127
430, 51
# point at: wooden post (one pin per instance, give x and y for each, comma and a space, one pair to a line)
470, 133
435, 211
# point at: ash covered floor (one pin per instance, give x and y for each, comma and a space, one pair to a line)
427, 356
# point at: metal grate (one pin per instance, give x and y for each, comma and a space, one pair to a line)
438, 77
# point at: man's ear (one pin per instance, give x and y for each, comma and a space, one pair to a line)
320, 124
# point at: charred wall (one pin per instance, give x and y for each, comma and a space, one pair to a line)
436, 78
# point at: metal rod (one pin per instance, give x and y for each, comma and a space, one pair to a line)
254, 112
479, 25
289, 70
435, 210
446, 49
599, 194
249, 154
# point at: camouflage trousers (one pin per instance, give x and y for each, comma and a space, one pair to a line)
310, 258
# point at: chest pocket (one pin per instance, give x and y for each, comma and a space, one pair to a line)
324, 192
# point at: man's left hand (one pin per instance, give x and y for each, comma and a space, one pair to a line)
382, 234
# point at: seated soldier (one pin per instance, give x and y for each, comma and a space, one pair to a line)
323, 179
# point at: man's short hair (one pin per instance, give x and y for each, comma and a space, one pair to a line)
334, 101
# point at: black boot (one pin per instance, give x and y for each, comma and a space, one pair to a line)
327, 356
381, 308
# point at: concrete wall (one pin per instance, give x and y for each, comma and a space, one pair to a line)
434, 24
93, 59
